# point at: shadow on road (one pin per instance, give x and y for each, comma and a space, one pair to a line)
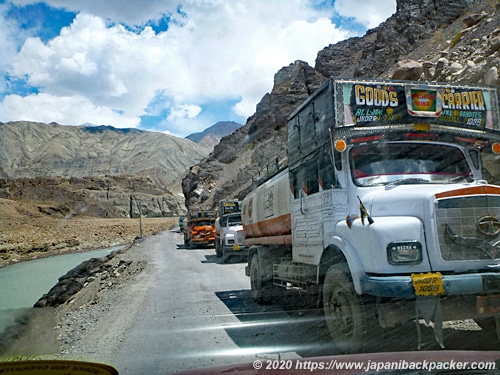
289, 326
274, 328
230, 260
187, 247
211, 259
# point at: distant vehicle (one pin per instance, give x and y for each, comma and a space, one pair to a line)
199, 229
382, 214
229, 231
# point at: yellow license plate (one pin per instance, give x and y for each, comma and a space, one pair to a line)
428, 284
236, 246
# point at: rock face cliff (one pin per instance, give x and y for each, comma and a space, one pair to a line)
432, 40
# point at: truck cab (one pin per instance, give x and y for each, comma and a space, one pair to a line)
229, 231
199, 228
384, 211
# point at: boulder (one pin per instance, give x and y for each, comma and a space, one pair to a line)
408, 70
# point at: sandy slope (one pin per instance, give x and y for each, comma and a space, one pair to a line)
26, 233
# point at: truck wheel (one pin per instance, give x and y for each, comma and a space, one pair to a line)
218, 251
260, 288
345, 313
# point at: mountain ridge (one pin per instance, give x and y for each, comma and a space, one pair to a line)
94, 170
29, 150
212, 135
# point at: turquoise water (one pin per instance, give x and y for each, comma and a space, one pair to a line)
22, 284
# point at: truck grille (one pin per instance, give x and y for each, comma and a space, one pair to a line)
468, 227
240, 237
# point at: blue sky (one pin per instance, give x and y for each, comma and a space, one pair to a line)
170, 66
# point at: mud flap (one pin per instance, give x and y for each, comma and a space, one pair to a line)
429, 309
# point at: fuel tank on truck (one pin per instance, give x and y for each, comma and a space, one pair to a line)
266, 212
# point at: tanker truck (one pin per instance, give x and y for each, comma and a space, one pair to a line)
386, 211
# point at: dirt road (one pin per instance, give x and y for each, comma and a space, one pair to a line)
172, 316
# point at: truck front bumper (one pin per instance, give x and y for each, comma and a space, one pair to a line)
402, 286
236, 249
203, 241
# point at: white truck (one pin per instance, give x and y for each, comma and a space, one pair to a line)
229, 231
383, 214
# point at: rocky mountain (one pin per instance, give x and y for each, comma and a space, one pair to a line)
30, 150
427, 40
211, 136
97, 170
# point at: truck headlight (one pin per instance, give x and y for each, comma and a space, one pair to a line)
229, 239
403, 253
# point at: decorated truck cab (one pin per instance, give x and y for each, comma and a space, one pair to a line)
387, 210
199, 228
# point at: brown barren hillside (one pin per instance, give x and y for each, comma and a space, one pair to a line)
27, 233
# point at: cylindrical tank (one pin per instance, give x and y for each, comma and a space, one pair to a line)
266, 210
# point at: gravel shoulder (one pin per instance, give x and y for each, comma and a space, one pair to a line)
91, 324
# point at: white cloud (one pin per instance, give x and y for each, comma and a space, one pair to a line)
132, 12
69, 110
372, 14
215, 50
184, 111
11, 37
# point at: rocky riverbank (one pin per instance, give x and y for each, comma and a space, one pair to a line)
64, 320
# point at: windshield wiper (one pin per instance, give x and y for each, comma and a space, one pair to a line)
408, 181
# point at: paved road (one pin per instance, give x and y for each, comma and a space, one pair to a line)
196, 312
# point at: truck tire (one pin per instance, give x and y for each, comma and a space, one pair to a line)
218, 251
225, 257
261, 289
346, 314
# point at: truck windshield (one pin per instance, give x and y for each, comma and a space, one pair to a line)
234, 220
203, 223
408, 163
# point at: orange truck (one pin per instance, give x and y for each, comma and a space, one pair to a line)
199, 228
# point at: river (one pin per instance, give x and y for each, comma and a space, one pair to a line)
22, 284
